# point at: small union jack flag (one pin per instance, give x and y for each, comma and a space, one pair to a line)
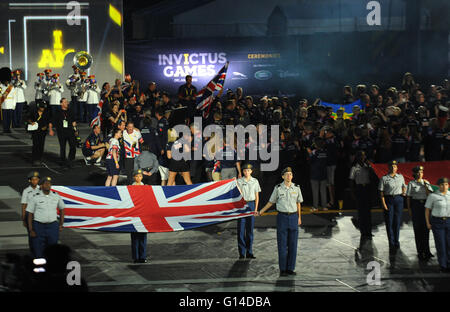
97, 115
145, 208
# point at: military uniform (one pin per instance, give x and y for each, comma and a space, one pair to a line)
45, 224
39, 87
392, 189
439, 204
245, 225
20, 86
27, 195
46, 84
417, 193
72, 84
286, 199
82, 99
138, 239
55, 91
93, 97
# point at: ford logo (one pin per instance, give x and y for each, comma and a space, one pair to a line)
263, 75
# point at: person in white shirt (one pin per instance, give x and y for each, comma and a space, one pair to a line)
93, 97
8, 106
39, 87
437, 217
113, 158
82, 98
46, 84
132, 139
249, 188
417, 193
20, 85
72, 85
55, 94
43, 217
27, 195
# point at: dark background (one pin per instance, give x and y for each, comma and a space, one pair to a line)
325, 61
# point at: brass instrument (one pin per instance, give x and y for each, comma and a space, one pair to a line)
83, 88
83, 60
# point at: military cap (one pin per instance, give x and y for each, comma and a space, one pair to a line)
33, 174
392, 162
40, 74
247, 166
46, 179
416, 169
287, 169
136, 172
47, 71
442, 180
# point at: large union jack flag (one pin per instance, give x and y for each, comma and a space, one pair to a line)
152, 208
205, 96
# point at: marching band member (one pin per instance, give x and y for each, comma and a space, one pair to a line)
82, 97
20, 86
55, 93
39, 87
9, 94
93, 97
47, 82
72, 84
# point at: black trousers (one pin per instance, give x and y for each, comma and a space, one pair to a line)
74, 105
196, 170
38, 138
151, 180
65, 137
364, 214
129, 167
421, 232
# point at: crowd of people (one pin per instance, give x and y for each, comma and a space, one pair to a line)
323, 147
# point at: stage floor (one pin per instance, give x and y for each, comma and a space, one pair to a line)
330, 256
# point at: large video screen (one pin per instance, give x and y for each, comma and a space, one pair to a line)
256, 64
37, 35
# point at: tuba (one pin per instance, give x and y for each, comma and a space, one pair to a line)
83, 60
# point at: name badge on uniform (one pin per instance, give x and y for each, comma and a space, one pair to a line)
65, 124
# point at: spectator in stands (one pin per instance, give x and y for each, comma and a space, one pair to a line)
186, 96
318, 173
